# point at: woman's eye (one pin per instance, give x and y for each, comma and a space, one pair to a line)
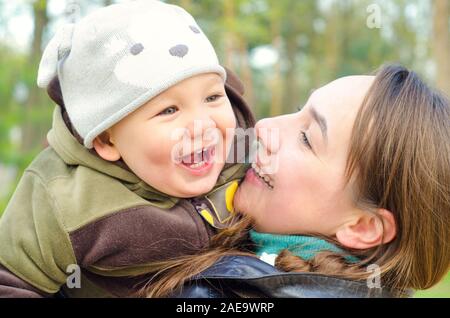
305, 140
169, 111
213, 98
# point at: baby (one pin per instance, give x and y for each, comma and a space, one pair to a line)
135, 173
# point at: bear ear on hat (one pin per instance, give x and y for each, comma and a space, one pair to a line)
57, 49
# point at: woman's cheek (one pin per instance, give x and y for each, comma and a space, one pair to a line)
248, 202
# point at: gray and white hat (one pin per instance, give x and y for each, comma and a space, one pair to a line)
119, 57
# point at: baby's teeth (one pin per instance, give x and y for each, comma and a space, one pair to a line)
197, 165
266, 178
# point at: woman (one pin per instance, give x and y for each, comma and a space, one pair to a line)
360, 176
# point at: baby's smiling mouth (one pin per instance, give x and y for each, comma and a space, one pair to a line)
198, 158
264, 177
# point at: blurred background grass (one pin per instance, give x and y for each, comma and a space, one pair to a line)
441, 290
281, 49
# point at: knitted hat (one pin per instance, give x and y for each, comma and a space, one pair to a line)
119, 57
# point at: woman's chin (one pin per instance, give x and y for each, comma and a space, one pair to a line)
245, 201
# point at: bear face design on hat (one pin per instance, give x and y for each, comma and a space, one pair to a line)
148, 54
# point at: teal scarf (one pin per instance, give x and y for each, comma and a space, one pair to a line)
268, 246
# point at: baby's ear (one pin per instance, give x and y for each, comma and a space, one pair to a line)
368, 230
105, 148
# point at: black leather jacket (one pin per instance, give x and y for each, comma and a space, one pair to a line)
245, 276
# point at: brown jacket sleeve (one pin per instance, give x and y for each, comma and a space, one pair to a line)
138, 236
13, 287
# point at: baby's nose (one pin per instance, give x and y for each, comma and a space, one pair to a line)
200, 127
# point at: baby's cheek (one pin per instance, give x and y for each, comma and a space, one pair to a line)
225, 118
160, 152
228, 128
164, 144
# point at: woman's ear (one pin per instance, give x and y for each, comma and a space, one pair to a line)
105, 147
368, 230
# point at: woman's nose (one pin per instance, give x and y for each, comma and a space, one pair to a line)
268, 133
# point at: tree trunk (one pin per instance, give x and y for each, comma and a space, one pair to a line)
229, 11
246, 72
276, 83
40, 22
31, 134
291, 98
441, 44
333, 47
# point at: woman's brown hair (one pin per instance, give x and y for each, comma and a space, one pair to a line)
400, 157
399, 160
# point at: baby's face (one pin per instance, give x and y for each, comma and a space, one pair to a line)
179, 141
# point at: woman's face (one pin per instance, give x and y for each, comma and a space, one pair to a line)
303, 157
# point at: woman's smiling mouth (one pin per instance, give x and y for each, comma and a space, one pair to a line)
257, 174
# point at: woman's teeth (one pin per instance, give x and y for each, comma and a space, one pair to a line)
264, 178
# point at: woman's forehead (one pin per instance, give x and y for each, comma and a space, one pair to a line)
344, 94
349, 85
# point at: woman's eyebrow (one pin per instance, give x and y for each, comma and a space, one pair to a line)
322, 122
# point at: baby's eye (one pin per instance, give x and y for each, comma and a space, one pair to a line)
168, 111
213, 98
